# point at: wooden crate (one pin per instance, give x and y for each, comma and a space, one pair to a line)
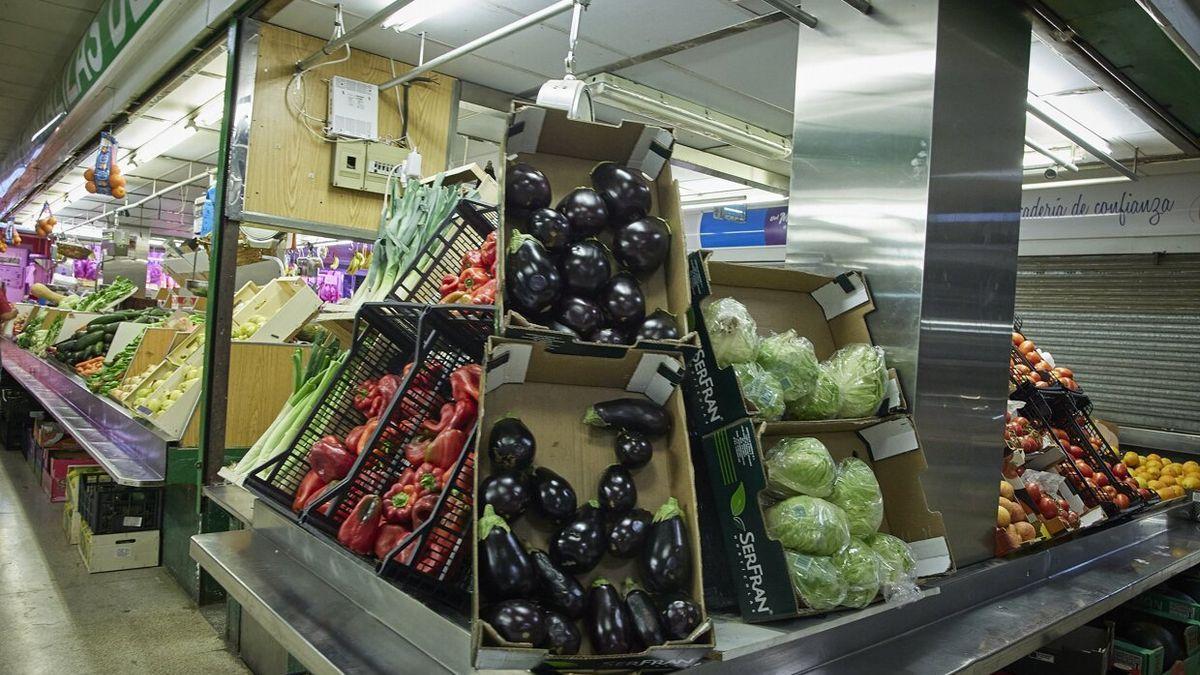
156, 344
287, 304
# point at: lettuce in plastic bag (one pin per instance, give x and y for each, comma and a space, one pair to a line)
896, 556
860, 568
856, 492
808, 525
732, 331
800, 466
861, 376
761, 389
822, 402
791, 359
816, 580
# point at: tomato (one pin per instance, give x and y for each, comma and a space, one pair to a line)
1047, 508
1075, 451
1059, 433
1120, 470
1033, 357
1042, 367
1064, 505
1108, 490
1017, 338
1021, 422
1034, 491
1068, 383
1030, 444
1066, 372
1026, 347
1033, 377
1122, 501
1041, 385
1084, 469
1101, 479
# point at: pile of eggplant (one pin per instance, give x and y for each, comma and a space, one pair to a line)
540, 597
560, 271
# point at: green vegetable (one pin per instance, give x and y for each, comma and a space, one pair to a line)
761, 390
732, 331
816, 580
860, 568
861, 376
800, 466
89, 339
808, 525
895, 556
107, 296
856, 491
791, 359
822, 402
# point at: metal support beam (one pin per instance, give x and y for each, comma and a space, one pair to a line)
863, 6
1051, 155
498, 34
793, 12
337, 43
723, 167
143, 200
1080, 141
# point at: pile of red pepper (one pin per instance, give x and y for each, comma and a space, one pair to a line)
378, 523
476, 283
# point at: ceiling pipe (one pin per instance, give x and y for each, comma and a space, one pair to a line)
793, 12
498, 34
155, 195
863, 6
1051, 155
336, 43
1075, 138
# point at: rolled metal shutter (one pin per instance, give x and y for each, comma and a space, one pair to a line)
1127, 325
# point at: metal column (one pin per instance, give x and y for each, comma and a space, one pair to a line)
909, 127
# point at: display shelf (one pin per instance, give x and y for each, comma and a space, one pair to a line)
235, 499
986, 616
130, 452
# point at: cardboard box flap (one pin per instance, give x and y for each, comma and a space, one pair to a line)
508, 363
551, 131
890, 438
847, 291
932, 556
652, 151
657, 376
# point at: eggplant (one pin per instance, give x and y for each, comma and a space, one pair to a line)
533, 282
562, 637
616, 491
505, 568
556, 588
553, 497
608, 621
612, 335
642, 246
630, 414
624, 301
627, 532
511, 445
680, 616
660, 325
585, 267
518, 621
578, 546
633, 449
526, 188
666, 562
624, 191
647, 623
585, 210
508, 492
582, 315
551, 228
558, 327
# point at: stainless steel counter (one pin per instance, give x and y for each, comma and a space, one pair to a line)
235, 499
132, 453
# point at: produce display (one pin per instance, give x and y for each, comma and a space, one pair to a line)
1030, 364
579, 268
246, 329
106, 297
1167, 478
39, 340
93, 339
476, 281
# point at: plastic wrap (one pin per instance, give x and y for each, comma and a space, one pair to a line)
856, 492
800, 466
732, 331
761, 389
861, 569
898, 567
808, 525
861, 376
816, 580
791, 359
822, 403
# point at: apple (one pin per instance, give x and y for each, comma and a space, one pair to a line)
1034, 491
1047, 508
1109, 491
1120, 471
1084, 469
1064, 505
1122, 501
1101, 479
1030, 444
1075, 451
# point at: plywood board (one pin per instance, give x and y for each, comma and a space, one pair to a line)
288, 167
156, 343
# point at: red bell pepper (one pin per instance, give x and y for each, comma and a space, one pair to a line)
354, 438
449, 285
473, 278
330, 459
489, 251
431, 478
472, 259
485, 294
388, 386
445, 449
424, 508
426, 378
363, 395
361, 528
365, 437
414, 452
463, 415
390, 536
399, 500
434, 425
309, 485
464, 382
316, 497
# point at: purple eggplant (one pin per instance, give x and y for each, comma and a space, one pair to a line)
616, 490
585, 210
612, 335
642, 246
631, 414
526, 188
582, 315
508, 492
609, 624
585, 267
556, 587
511, 445
679, 615
647, 624
505, 570
578, 546
660, 325
624, 301
551, 228
553, 497
624, 191
518, 621
533, 283
627, 532
633, 449
666, 561
562, 637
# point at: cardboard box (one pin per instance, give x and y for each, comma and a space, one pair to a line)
54, 478
831, 312
733, 458
1134, 660
565, 151
51, 436
121, 551
1084, 651
552, 392
71, 523
1164, 604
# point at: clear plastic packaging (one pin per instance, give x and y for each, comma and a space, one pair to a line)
808, 525
761, 390
816, 580
732, 331
800, 466
861, 375
856, 492
822, 403
791, 359
898, 568
861, 569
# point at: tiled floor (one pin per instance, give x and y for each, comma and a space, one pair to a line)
57, 618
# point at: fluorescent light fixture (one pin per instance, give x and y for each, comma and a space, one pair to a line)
53, 121
211, 113
730, 200
1084, 134
668, 109
417, 12
169, 138
1073, 183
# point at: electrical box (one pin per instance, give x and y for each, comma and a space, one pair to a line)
353, 109
365, 165
381, 160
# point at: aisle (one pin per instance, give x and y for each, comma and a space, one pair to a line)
57, 618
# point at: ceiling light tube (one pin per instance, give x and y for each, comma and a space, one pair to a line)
211, 113
1051, 155
1074, 130
1104, 154
791, 11
417, 12
1074, 183
169, 138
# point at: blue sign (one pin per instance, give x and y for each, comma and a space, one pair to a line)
729, 227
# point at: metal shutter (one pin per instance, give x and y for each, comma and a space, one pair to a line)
1128, 325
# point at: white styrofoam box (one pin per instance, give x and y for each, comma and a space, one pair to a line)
120, 551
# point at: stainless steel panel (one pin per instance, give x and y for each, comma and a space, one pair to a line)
908, 135
235, 499
131, 453
240, 119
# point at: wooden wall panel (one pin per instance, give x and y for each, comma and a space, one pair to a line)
288, 168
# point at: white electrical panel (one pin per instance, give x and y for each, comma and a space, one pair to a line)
365, 165
381, 159
353, 109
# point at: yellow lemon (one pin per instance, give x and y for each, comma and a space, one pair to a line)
1166, 461
1153, 466
1155, 485
1152, 474
1191, 465
1142, 482
1179, 491
1190, 482
1131, 459
1167, 480
1166, 493
1154, 457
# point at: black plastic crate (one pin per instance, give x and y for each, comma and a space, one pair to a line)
110, 508
464, 230
1020, 366
1081, 431
1038, 412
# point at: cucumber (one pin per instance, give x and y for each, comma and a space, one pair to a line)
89, 339
65, 346
115, 317
111, 329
